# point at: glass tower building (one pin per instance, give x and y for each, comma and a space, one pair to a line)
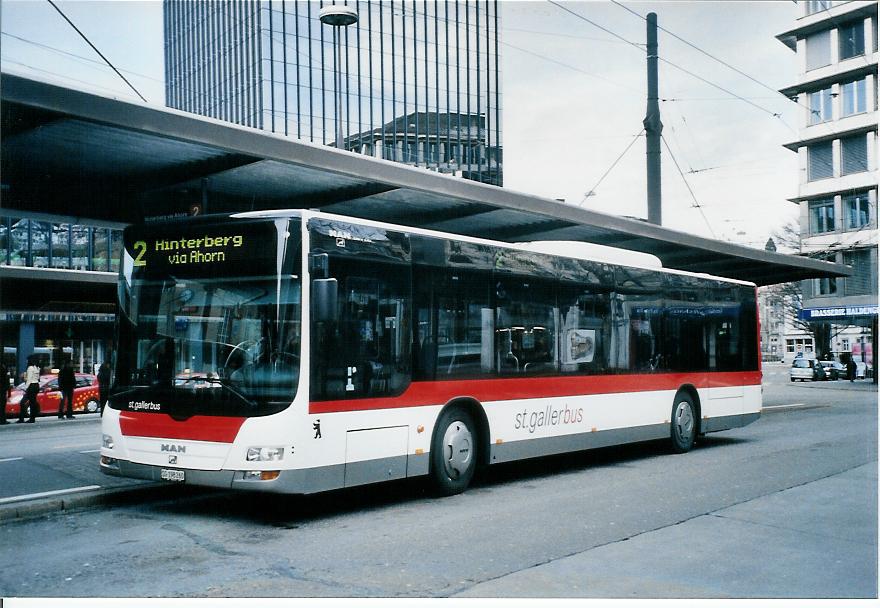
419, 80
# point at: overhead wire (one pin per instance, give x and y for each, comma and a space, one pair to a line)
729, 92
704, 52
737, 70
571, 67
773, 114
684, 179
59, 75
89, 42
592, 190
678, 143
776, 115
640, 47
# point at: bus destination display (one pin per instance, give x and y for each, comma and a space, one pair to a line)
200, 249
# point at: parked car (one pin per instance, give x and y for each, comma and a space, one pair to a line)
834, 370
85, 395
804, 369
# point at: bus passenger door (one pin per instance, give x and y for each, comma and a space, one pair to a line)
725, 388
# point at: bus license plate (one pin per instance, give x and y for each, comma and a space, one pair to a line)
171, 475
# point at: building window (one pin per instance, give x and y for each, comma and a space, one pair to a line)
859, 283
20, 243
852, 39
818, 50
824, 287
857, 208
874, 33
822, 216
821, 156
799, 345
853, 154
79, 239
815, 6
820, 106
854, 97
5, 240
844, 345
41, 244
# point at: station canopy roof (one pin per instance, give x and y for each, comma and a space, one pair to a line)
76, 153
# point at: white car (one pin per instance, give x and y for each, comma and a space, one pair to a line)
806, 369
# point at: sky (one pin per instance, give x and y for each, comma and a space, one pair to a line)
573, 98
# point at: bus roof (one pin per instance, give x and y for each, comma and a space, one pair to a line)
568, 249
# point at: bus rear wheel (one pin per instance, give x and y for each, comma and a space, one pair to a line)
453, 452
683, 428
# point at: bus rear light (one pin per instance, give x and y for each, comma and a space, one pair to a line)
261, 475
264, 454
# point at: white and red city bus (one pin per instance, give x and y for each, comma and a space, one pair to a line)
298, 352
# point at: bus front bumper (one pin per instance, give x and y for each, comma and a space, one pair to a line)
301, 481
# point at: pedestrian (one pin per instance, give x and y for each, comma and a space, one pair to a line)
66, 382
103, 385
4, 391
32, 383
851, 369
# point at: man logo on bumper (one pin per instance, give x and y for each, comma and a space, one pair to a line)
172, 459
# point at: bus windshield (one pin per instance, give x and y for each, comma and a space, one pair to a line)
215, 337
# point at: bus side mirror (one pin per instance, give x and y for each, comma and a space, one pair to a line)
324, 298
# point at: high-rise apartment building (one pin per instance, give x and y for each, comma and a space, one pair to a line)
836, 87
419, 80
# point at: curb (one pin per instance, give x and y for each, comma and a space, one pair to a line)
146, 492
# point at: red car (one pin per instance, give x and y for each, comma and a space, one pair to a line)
85, 395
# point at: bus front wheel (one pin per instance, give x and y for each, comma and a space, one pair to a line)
683, 429
453, 451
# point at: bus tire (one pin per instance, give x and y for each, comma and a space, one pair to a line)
453, 451
683, 427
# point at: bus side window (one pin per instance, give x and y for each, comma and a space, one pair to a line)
526, 326
461, 299
638, 318
585, 329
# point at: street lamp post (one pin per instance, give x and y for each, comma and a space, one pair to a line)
338, 16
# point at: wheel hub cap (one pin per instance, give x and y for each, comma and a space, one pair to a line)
684, 420
457, 447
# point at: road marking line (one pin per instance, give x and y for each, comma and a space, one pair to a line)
90, 451
45, 494
775, 407
11, 459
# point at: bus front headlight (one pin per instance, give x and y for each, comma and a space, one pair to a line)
107, 442
264, 454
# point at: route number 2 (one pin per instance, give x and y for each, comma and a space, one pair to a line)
141, 249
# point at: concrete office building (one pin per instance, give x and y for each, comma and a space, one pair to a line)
836, 87
419, 81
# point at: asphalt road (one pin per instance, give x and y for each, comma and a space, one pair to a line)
786, 507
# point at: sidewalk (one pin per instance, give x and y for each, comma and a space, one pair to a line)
842, 385
827, 528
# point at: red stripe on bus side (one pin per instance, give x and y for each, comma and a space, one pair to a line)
502, 389
221, 429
